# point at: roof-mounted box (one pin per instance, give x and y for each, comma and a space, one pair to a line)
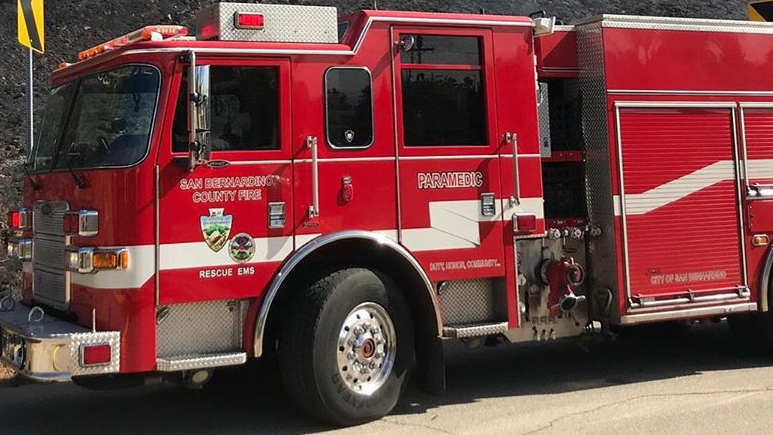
268, 23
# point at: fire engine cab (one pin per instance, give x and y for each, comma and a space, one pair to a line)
344, 194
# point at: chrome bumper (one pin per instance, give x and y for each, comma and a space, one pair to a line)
45, 348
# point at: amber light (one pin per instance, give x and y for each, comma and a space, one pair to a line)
760, 240
110, 259
96, 355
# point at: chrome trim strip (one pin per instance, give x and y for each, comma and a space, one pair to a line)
395, 117
739, 198
462, 157
745, 155
674, 104
372, 110
623, 206
158, 235
308, 249
740, 295
348, 159
688, 93
722, 310
756, 105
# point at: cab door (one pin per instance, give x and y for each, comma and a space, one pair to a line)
449, 173
223, 230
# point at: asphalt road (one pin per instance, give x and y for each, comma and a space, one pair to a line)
701, 383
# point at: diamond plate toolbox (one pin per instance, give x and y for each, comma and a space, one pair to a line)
283, 23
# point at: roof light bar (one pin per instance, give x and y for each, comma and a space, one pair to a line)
146, 33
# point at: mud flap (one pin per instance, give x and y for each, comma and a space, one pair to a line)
431, 365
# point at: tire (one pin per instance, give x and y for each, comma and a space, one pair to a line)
341, 368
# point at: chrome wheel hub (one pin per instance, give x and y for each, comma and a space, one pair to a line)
366, 348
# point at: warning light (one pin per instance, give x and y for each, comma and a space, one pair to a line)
243, 20
147, 33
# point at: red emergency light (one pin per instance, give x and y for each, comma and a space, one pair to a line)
247, 20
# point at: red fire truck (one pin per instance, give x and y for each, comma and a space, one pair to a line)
344, 194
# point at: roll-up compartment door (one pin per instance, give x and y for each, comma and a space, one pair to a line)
680, 201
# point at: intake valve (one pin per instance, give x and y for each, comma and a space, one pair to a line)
562, 276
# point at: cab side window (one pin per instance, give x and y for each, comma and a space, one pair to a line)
443, 91
244, 109
349, 108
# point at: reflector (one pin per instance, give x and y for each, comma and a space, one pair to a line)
525, 223
96, 355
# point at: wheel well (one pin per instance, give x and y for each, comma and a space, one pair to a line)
764, 281
357, 252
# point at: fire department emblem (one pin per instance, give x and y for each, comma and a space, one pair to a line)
216, 228
242, 248
349, 135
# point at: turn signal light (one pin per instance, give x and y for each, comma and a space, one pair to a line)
243, 20
84, 223
760, 240
88, 260
98, 355
525, 223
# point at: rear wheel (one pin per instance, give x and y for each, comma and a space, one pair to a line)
347, 346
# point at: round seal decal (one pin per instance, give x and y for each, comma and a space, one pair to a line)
242, 248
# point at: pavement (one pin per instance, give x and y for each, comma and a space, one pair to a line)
702, 382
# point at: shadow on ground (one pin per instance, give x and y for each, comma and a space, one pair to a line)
251, 400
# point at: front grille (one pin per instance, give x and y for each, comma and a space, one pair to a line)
50, 279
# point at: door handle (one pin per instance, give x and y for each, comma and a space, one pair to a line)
512, 138
312, 143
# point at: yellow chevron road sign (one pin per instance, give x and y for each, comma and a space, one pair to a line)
31, 29
761, 10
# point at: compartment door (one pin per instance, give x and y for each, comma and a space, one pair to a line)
682, 230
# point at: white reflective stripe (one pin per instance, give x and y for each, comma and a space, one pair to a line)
760, 168
724, 170
141, 268
453, 225
197, 254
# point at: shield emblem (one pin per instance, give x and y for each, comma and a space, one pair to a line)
349, 135
216, 228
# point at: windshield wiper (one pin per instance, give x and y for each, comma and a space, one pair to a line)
79, 181
34, 184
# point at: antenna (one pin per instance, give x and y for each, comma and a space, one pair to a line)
375, 5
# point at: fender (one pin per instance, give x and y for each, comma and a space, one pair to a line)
309, 248
765, 280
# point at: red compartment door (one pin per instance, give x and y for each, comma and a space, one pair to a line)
680, 201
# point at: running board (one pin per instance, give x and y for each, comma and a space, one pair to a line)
476, 330
688, 313
201, 361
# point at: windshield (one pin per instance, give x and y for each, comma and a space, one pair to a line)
100, 120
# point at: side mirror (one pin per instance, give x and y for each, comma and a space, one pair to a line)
406, 43
199, 144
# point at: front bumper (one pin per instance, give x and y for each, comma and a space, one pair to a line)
44, 348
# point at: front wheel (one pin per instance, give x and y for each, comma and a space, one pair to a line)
346, 347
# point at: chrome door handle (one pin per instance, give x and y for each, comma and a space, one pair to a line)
311, 143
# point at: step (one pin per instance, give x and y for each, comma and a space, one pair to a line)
475, 330
200, 361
